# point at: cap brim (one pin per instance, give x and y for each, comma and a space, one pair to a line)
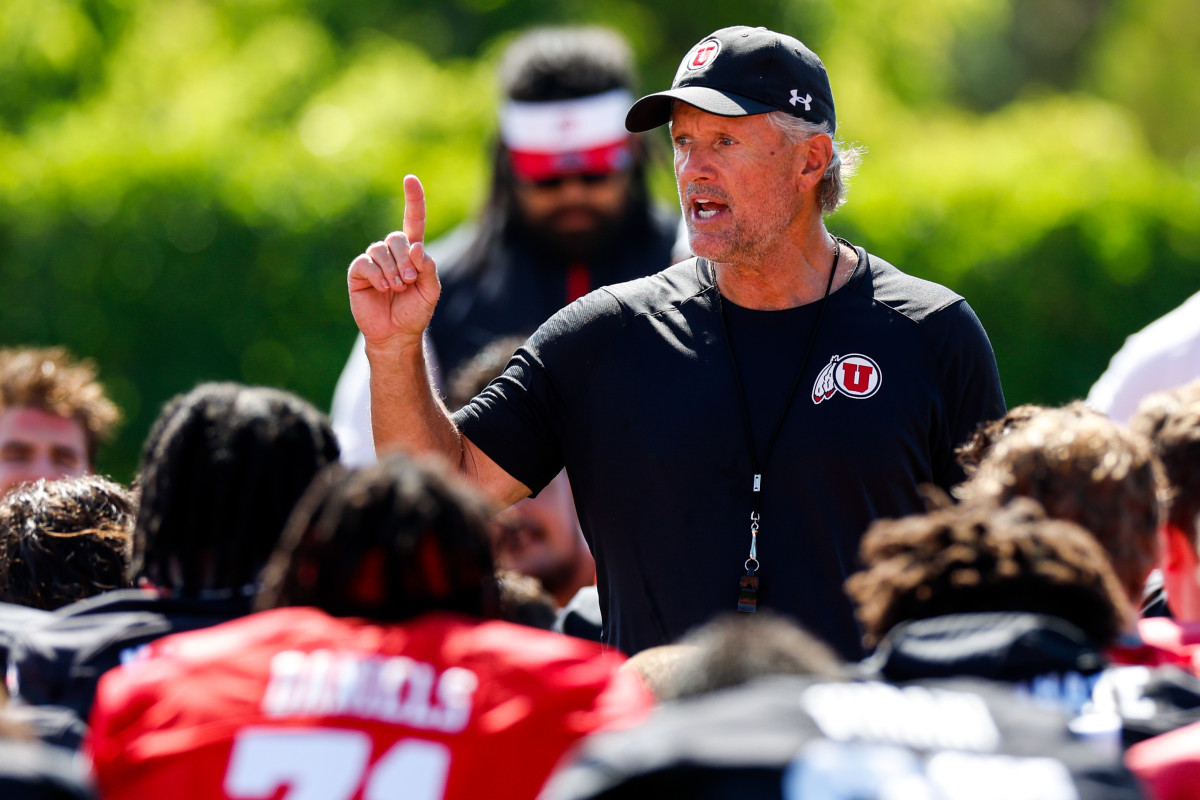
655, 109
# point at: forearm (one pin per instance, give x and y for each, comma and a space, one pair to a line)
406, 411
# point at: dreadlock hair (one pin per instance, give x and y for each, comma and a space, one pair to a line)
64, 540
387, 542
982, 558
1086, 469
51, 380
543, 65
222, 468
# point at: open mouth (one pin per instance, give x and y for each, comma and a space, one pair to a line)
704, 208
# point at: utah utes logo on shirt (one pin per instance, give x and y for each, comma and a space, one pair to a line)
854, 375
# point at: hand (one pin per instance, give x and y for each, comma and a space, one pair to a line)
394, 285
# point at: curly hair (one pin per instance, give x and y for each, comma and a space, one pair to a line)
1086, 469
981, 558
64, 540
1171, 421
972, 452
387, 542
52, 380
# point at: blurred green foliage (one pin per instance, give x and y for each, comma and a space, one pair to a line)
182, 182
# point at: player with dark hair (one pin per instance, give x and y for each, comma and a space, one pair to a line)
978, 559
60, 541
221, 472
943, 732
388, 543
567, 210
222, 468
53, 415
1088, 470
64, 540
390, 681
1013, 595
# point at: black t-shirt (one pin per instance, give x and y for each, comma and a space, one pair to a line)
631, 388
789, 738
59, 660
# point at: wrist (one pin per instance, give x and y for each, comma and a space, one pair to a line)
395, 347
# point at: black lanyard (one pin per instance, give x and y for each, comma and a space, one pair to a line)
748, 587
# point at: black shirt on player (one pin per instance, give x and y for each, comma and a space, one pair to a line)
791, 738
59, 660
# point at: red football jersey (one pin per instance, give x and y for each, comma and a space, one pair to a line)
295, 704
1168, 765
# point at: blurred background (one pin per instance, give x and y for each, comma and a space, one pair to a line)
183, 182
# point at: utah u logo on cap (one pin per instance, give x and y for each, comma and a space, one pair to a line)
854, 375
704, 53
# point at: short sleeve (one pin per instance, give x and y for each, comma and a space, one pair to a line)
970, 383
521, 419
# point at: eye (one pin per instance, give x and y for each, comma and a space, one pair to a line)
724, 141
681, 141
66, 458
12, 452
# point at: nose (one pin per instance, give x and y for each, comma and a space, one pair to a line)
692, 165
573, 190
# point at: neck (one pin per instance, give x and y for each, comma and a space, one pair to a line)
793, 279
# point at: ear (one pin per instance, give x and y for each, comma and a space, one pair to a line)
818, 154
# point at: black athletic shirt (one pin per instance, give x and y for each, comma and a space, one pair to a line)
59, 660
788, 738
631, 388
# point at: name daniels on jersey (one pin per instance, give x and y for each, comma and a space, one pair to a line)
391, 689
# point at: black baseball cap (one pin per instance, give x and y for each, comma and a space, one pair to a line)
740, 71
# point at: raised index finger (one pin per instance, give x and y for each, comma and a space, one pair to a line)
414, 209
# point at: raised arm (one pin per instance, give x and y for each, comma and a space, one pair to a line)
393, 290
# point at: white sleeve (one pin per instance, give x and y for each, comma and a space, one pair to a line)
351, 411
1163, 355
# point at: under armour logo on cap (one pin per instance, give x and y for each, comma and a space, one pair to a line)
796, 98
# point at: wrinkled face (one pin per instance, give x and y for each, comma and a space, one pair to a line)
574, 211
736, 178
37, 444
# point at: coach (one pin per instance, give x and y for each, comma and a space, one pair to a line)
732, 424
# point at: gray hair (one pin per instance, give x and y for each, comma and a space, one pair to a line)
831, 192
